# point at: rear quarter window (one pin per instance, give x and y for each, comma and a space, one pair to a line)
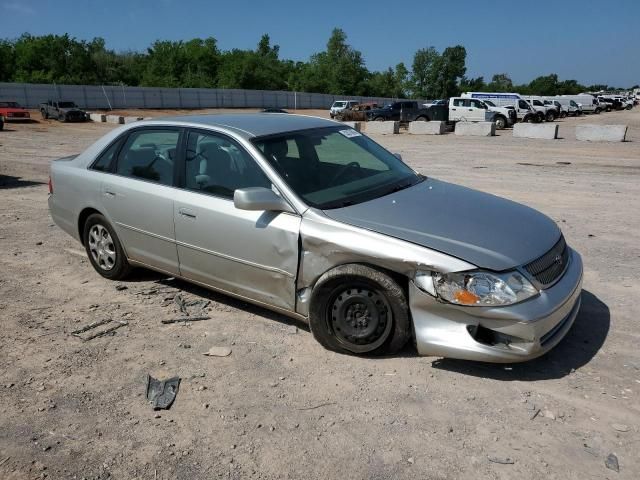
104, 162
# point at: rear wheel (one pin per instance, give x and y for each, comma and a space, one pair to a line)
501, 123
45, 115
563, 114
549, 116
422, 119
378, 119
597, 111
104, 249
359, 310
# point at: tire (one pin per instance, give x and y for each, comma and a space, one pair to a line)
501, 122
356, 309
549, 116
45, 115
563, 114
421, 118
1, 126
104, 249
530, 119
378, 119
62, 117
628, 107
597, 111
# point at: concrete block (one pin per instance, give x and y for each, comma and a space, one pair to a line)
115, 119
357, 126
132, 119
475, 129
601, 133
383, 128
548, 131
427, 128
97, 117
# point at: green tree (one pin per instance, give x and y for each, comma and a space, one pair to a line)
451, 69
500, 82
472, 84
182, 64
426, 63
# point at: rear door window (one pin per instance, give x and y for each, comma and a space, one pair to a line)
150, 154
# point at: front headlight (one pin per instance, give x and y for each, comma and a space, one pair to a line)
477, 288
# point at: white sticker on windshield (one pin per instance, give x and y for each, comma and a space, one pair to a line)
350, 133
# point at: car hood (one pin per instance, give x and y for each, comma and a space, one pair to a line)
488, 231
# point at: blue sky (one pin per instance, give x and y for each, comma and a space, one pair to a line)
575, 39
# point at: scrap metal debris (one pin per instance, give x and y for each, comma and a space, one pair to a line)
501, 460
162, 393
118, 323
187, 319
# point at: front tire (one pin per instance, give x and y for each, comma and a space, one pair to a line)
357, 309
501, 123
378, 119
549, 116
104, 248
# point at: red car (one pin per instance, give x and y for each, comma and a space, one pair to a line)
13, 111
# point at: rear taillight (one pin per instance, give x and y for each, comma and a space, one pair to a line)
50, 185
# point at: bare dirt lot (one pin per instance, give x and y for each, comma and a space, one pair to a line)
280, 406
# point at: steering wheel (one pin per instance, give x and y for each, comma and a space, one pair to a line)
344, 169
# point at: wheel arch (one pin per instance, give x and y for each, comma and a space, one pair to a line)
82, 219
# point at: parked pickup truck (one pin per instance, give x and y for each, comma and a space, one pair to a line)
63, 111
457, 109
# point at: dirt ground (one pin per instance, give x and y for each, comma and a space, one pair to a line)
280, 406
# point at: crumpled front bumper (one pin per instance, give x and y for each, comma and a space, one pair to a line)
508, 334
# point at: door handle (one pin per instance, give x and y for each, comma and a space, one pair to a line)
109, 194
185, 212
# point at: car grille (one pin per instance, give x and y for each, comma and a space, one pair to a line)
550, 266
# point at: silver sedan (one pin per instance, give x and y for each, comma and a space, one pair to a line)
311, 218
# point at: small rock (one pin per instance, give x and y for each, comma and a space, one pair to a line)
611, 462
38, 243
218, 352
121, 287
501, 460
292, 329
620, 427
410, 460
549, 414
205, 405
201, 388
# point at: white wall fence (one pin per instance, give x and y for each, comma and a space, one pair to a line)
110, 96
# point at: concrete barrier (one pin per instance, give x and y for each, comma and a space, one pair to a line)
357, 126
132, 119
115, 119
475, 129
427, 128
548, 131
601, 133
97, 117
383, 128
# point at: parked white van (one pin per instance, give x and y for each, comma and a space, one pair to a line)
549, 112
524, 111
588, 102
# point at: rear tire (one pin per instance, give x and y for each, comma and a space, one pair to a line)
563, 114
549, 116
356, 309
422, 118
378, 119
45, 115
104, 249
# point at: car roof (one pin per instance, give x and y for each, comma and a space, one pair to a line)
251, 125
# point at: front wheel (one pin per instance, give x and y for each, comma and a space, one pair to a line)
549, 116
422, 119
359, 310
378, 119
104, 249
45, 115
501, 123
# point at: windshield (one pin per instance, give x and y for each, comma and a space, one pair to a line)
339, 104
538, 103
335, 167
490, 103
572, 103
66, 105
10, 105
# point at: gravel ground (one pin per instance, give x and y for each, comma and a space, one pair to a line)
280, 406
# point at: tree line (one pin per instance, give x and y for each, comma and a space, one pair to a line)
339, 69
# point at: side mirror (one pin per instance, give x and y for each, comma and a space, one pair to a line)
260, 198
398, 156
